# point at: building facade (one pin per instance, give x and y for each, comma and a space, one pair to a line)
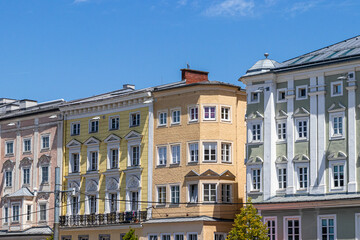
198, 168
107, 164
30, 149
302, 152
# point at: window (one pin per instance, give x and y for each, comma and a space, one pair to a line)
192, 236
162, 155
135, 156
114, 123
193, 193
75, 162
209, 113
113, 202
256, 179
134, 198
303, 177
75, 205
226, 152
104, 237
161, 195
162, 118
292, 228
28, 213
114, 158
134, 119
45, 174
6, 214
270, 222
45, 142
26, 176
175, 117
220, 236
226, 193
302, 129
225, 113
255, 130
193, 114
42, 212
175, 194
338, 175
27, 145
178, 236
194, 152
9, 147
327, 227
282, 178
165, 236
93, 126
254, 97
92, 204
337, 125
210, 152
301, 92
175, 154
153, 237
8, 178
93, 161
336, 88
15, 213
209, 192
281, 130
281, 95
75, 129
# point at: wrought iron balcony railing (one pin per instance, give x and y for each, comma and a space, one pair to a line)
102, 219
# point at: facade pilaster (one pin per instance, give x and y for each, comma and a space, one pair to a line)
18, 174
313, 133
290, 137
36, 153
321, 165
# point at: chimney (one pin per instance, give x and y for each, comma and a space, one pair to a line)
129, 86
193, 76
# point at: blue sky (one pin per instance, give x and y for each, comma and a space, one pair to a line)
70, 49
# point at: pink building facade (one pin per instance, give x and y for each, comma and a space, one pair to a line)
30, 149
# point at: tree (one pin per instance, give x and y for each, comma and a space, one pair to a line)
130, 235
248, 225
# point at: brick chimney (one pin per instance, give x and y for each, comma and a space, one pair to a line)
193, 76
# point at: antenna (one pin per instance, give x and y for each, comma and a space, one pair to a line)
187, 65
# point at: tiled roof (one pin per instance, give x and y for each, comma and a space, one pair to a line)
31, 231
23, 192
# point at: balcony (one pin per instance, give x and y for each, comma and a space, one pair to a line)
102, 219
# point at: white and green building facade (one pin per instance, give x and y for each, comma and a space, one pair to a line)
303, 126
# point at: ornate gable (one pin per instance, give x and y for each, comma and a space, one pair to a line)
112, 184
8, 165
301, 112
44, 159
254, 161
301, 158
26, 161
92, 141
192, 173
281, 160
337, 156
92, 186
112, 138
281, 115
133, 135
209, 174
73, 144
133, 183
227, 175
255, 115
338, 107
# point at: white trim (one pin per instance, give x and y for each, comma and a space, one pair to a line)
188, 191
6, 147
301, 119
357, 226
130, 119
159, 113
72, 128
31, 147
43, 202
250, 97
203, 192
189, 113
210, 144
197, 235
110, 123
42, 136
285, 219
230, 152
332, 88
250, 131
229, 120
332, 188
249, 178
165, 160
332, 135
188, 152
272, 218
157, 194
297, 176
171, 116
290, 139
179, 233
171, 153
281, 122
98, 125
297, 92
319, 225
164, 234
277, 95
209, 118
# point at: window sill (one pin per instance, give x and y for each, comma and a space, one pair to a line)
44, 184
300, 98
255, 143
160, 205
281, 141
193, 121
93, 132
301, 140
174, 164
113, 129
192, 163
74, 134
255, 192
161, 166
134, 126
209, 120
336, 138
209, 161
192, 204
340, 189
74, 173
174, 205
9, 155
162, 126
27, 153
45, 150
175, 124
225, 121
225, 162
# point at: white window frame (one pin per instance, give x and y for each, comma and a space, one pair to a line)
193, 120
189, 192
90, 125
110, 122
212, 145
266, 220
229, 156
159, 200
332, 116
161, 119
298, 97
229, 118
189, 144
282, 132
72, 128
7, 148
165, 234
210, 196
251, 99
42, 141
161, 157
6, 177
278, 95
209, 118
177, 154
192, 233
302, 119
23, 175
319, 225
90, 160
138, 119
333, 163
71, 163
297, 170
227, 195
171, 194
24, 150
250, 178
179, 233
224, 235
250, 131
43, 203
281, 181
42, 175
171, 117
16, 204
153, 236
6, 214
332, 88
110, 156
286, 218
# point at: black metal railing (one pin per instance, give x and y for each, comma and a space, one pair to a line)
103, 219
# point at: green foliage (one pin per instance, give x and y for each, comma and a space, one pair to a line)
130, 235
248, 225
50, 238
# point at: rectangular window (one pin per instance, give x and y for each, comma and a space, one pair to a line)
337, 125
114, 158
254, 97
114, 123
338, 172
162, 118
225, 113
134, 119
175, 194
15, 213
45, 142
75, 162
45, 174
209, 192
281, 131
9, 147
256, 179
226, 152
336, 89
6, 214
162, 155
256, 132
75, 205
8, 178
28, 213
292, 228
303, 177
210, 151
26, 176
161, 195
92, 204
282, 178
42, 212
193, 114
134, 198
209, 113
193, 193
281, 95
302, 129
113, 202
192, 236
135, 156
270, 222
220, 236
104, 237
301, 92
175, 154
153, 237
178, 236
175, 117
93, 161
226, 193
194, 152
327, 227
94, 126
27, 145
75, 129
165, 237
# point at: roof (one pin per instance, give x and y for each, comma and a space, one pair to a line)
183, 84
45, 230
261, 66
22, 192
186, 219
